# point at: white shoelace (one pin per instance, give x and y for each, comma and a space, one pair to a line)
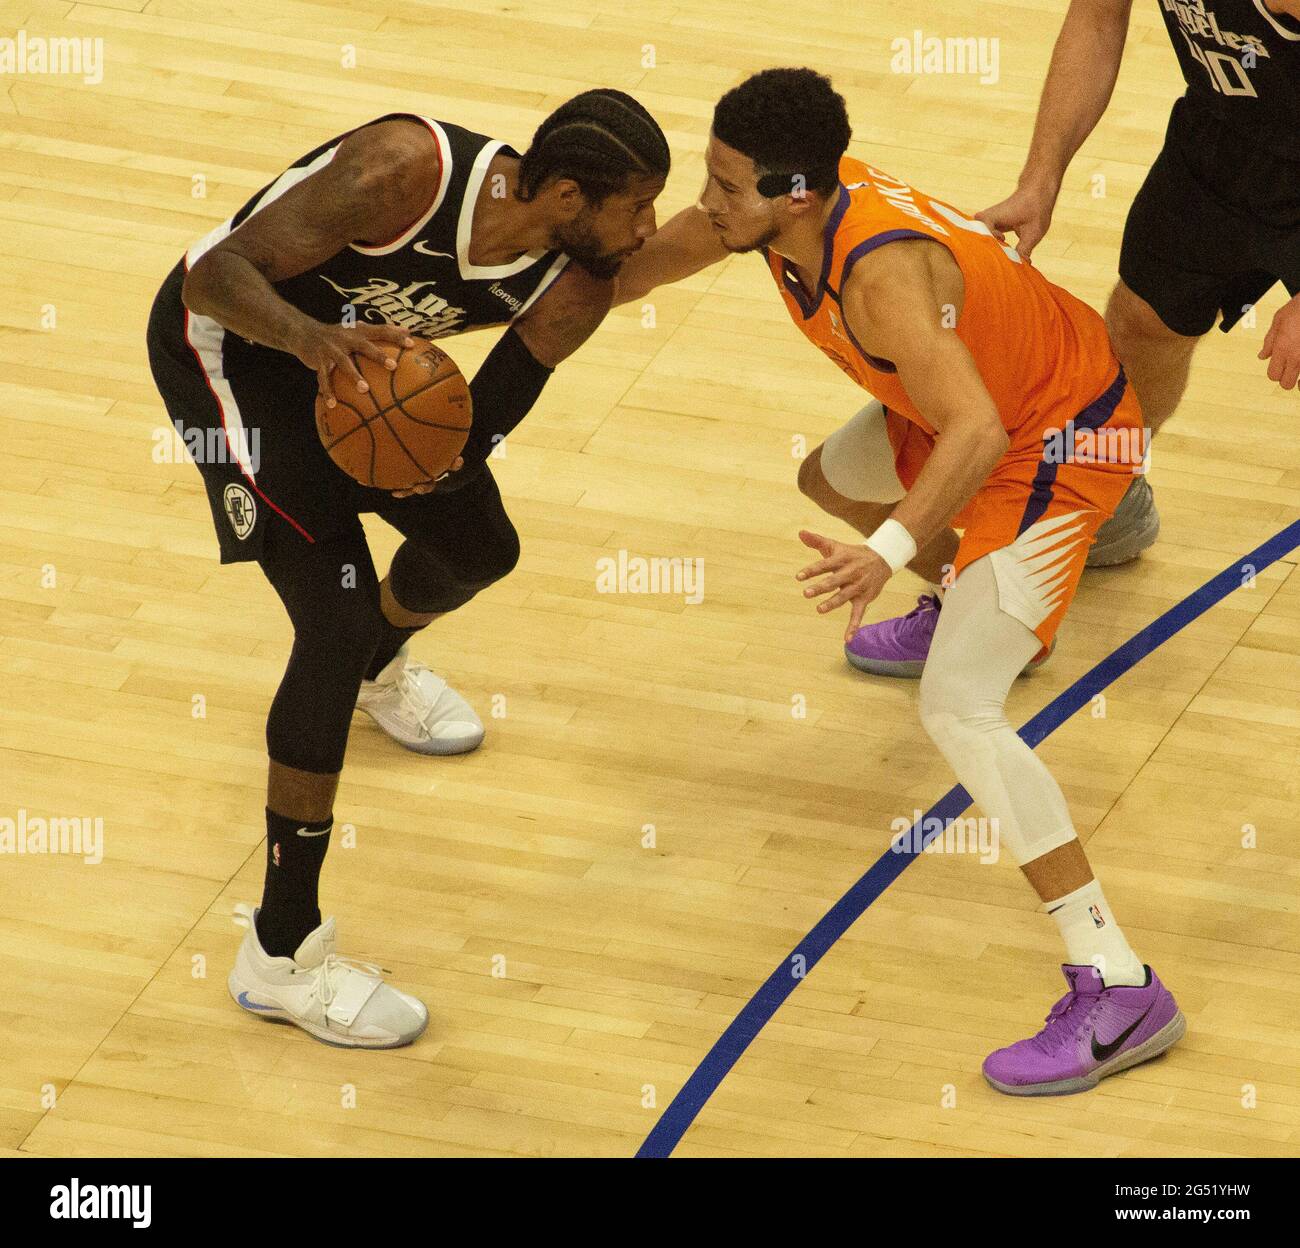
408, 688
334, 965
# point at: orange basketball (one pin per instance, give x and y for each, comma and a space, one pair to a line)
408, 428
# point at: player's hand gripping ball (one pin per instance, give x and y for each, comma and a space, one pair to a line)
408, 428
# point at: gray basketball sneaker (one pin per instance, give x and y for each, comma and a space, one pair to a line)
1134, 526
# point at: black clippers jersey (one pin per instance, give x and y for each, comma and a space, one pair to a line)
1242, 63
422, 280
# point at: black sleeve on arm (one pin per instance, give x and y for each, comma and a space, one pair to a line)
503, 392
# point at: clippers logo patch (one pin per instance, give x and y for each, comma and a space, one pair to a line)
241, 510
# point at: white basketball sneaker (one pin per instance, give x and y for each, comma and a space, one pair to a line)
339, 1001
420, 710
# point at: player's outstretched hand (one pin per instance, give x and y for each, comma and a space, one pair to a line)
854, 574
427, 487
323, 348
1027, 210
1282, 346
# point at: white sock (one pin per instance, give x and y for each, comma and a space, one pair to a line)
1093, 938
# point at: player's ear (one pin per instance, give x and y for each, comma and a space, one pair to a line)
566, 198
800, 201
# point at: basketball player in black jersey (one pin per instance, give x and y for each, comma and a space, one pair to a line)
1216, 223
404, 226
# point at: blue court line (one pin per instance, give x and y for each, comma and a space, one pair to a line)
733, 1042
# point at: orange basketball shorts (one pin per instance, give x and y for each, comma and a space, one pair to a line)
1037, 514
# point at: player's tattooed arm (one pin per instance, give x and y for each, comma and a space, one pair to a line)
903, 302
381, 179
684, 245
565, 316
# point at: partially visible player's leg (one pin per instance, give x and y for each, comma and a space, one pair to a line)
401, 620
287, 968
977, 652
331, 594
1158, 361
1156, 358
1187, 260
979, 647
458, 542
291, 511
854, 497
415, 707
855, 476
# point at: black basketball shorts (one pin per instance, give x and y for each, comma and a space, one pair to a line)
252, 434
1215, 225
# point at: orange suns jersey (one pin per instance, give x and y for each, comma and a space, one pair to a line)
1042, 353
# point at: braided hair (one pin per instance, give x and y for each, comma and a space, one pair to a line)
599, 139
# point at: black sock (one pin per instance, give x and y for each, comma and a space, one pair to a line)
392, 640
290, 907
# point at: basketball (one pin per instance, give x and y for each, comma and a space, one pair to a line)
408, 428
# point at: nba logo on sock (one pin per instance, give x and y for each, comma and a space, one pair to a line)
1095, 911
275, 854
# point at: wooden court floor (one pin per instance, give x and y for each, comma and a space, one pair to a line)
671, 794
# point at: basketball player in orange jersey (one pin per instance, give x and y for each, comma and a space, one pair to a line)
999, 407
404, 226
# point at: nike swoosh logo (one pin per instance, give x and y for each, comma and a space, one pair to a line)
425, 251
322, 832
253, 1005
1100, 1052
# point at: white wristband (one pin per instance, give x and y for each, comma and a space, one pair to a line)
894, 544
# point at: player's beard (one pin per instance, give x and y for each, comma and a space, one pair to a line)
767, 237
579, 242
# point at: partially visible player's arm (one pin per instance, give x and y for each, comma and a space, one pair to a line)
566, 315
380, 180
1085, 64
511, 379
684, 245
898, 301
1282, 342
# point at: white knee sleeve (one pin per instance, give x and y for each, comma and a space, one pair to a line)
977, 652
858, 462
1008, 781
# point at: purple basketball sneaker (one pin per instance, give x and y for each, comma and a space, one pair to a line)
899, 647
1093, 1031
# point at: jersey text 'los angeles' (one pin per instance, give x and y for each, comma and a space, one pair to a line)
1242, 63
421, 281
